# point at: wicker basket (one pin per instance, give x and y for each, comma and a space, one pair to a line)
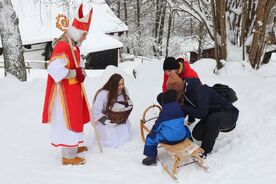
118, 117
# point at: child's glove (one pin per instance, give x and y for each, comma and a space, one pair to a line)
191, 120
80, 75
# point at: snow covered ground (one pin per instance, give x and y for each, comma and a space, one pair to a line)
243, 156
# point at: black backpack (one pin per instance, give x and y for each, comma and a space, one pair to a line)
226, 92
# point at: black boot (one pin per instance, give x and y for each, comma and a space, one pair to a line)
149, 161
203, 155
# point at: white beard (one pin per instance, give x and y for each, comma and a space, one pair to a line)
75, 34
79, 44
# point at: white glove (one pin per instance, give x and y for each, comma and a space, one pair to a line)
71, 74
111, 125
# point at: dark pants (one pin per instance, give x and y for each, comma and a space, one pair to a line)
207, 130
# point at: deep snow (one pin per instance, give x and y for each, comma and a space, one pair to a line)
245, 155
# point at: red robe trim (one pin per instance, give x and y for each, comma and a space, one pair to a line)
68, 146
74, 102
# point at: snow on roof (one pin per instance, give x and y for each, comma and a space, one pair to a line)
270, 48
104, 18
36, 25
37, 22
98, 41
103, 21
273, 58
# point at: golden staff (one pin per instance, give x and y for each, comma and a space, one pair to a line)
62, 24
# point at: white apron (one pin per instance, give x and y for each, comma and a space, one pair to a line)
109, 136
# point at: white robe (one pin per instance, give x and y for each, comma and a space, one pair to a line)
109, 136
60, 135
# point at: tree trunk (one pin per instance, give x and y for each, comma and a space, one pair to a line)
244, 26
11, 41
221, 27
119, 8
234, 20
138, 16
269, 5
258, 43
156, 27
201, 36
126, 20
125, 12
169, 32
223, 30
161, 28
108, 2
215, 32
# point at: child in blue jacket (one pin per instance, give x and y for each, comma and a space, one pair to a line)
169, 128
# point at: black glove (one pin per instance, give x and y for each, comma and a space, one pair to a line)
103, 120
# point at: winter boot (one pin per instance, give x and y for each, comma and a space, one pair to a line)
149, 161
73, 161
82, 149
203, 155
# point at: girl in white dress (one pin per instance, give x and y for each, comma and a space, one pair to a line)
110, 98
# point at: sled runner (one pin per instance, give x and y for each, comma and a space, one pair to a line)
183, 151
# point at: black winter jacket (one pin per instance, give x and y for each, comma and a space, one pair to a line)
202, 100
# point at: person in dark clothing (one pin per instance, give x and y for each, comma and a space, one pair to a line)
182, 68
216, 114
179, 66
169, 128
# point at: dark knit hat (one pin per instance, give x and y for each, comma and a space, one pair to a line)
170, 63
167, 97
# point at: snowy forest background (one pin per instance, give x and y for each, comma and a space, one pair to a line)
160, 28
163, 27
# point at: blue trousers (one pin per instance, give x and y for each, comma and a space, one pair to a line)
152, 141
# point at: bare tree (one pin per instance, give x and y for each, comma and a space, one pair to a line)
119, 8
221, 28
244, 26
138, 16
108, 2
201, 35
126, 20
215, 32
230, 20
199, 9
259, 32
169, 32
159, 27
211, 14
11, 41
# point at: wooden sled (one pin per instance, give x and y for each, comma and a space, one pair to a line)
185, 150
